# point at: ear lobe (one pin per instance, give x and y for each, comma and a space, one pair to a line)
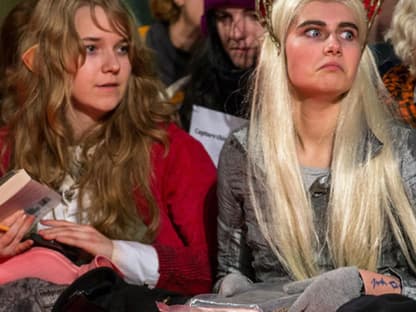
28, 57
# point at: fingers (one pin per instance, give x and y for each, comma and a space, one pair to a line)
58, 223
82, 236
10, 242
234, 283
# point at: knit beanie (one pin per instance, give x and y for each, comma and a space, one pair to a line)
214, 4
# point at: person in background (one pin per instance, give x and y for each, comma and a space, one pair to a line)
320, 186
12, 28
173, 38
400, 80
92, 126
383, 51
214, 101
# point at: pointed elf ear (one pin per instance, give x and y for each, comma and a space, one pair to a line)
28, 57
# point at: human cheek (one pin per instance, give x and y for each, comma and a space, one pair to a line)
353, 61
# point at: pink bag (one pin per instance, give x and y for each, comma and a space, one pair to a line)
48, 265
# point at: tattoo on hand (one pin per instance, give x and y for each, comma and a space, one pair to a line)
382, 283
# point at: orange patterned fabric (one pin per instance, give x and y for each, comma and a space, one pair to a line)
401, 85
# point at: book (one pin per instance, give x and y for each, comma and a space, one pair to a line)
18, 190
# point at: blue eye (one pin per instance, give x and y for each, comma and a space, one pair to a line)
313, 33
90, 49
348, 35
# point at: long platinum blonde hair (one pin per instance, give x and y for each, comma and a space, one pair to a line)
367, 196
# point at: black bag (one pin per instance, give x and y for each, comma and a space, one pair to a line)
102, 290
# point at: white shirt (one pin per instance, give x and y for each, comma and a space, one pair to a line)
138, 262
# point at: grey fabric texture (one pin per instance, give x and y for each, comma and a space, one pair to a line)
29, 295
329, 291
234, 283
241, 245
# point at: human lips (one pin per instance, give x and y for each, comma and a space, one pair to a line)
332, 66
239, 49
108, 85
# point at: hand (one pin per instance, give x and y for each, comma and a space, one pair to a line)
234, 283
330, 290
379, 284
19, 224
82, 236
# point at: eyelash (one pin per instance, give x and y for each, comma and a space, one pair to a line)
308, 33
122, 49
90, 49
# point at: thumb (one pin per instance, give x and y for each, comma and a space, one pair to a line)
234, 283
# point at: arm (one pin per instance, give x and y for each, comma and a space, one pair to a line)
233, 254
185, 245
405, 150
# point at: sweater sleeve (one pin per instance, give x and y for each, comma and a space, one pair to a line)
233, 253
189, 183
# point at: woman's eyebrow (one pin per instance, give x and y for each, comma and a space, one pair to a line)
311, 22
98, 39
348, 25
323, 24
93, 39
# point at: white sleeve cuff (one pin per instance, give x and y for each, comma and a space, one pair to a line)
138, 262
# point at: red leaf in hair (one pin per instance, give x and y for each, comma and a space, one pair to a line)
370, 6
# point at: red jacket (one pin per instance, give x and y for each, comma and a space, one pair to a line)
183, 184
184, 187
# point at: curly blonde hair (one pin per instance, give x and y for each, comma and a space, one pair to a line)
402, 32
116, 156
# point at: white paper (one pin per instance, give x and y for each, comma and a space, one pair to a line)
212, 128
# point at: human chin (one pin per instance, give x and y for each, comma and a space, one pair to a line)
242, 60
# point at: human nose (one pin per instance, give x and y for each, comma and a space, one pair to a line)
237, 28
333, 46
111, 62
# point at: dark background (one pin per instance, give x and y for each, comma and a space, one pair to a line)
139, 7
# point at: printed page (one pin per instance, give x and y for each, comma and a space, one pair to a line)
212, 128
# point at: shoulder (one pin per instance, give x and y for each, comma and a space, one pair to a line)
182, 148
403, 136
4, 132
234, 150
238, 139
404, 147
156, 32
4, 143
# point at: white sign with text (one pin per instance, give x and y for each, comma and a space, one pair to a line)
212, 128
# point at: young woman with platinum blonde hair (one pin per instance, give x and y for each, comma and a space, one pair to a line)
321, 184
400, 80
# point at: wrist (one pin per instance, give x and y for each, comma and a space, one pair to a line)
379, 284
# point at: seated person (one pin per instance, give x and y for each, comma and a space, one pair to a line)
173, 38
319, 188
400, 80
214, 101
12, 28
136, 188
